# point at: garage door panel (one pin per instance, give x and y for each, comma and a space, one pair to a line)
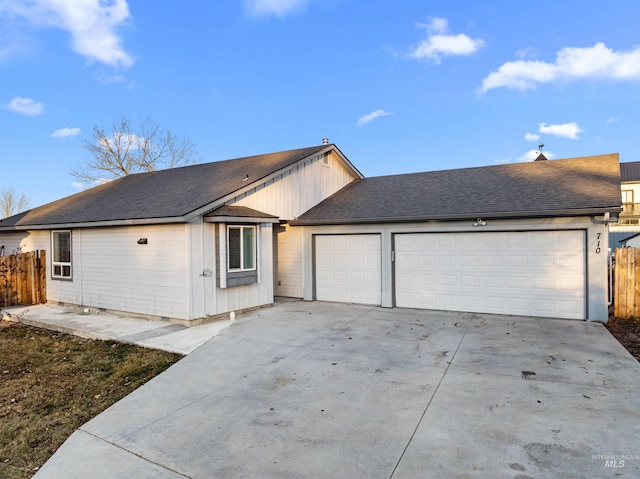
542, 261
535, 273
348, 268
492, 261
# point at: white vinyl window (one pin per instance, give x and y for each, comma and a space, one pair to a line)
61, 254
241, 247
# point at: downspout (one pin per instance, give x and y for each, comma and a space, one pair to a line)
611, 255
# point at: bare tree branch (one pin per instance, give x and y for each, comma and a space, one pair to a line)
120, 151
12, 204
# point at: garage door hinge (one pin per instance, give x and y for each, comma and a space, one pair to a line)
393, 256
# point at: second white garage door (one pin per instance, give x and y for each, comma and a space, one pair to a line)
348, 268
531, 273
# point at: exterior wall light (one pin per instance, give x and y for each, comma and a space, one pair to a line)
143, 241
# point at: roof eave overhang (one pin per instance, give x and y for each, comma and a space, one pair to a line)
241, 219
458, 217
96, 224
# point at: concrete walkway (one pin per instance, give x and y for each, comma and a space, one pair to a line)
313, 390
100, 325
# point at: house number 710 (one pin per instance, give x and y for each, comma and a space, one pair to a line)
598, 243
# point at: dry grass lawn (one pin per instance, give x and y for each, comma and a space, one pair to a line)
52, 383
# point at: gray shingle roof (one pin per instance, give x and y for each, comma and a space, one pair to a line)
630, 171
541, 188
169, 193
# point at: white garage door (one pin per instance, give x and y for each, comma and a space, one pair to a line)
348, 268
534, 273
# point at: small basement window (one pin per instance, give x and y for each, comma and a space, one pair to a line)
241, 247
61, 257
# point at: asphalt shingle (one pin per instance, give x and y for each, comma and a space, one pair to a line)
542, 188
630, 171
159, 194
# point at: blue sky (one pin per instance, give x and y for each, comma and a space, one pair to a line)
399, 85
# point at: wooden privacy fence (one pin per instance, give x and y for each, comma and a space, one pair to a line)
23, 279
626, 279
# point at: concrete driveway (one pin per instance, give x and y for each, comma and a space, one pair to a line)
314, 390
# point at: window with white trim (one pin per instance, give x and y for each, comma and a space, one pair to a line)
61, 254
241, 248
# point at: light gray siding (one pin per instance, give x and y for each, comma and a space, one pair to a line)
118, 273
299, 189
12, 243
112, 271
288, 274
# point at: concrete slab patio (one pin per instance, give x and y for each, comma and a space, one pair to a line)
311, 390
98, 324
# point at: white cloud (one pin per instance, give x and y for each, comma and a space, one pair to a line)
440, 43
566, 130
533, 154
106, 79
77, 185
528, 156
25, 106
531, 137
612, 120
597, 62
363, 120
64, 132
123, 141
92, 25
279, 8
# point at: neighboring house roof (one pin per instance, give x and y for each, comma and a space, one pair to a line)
169, 195
630, 171
628, 238
570, 187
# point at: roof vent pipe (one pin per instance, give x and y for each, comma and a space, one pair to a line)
325, 141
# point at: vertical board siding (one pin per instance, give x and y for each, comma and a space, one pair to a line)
13, 243
298, 189
288, 274
118, 273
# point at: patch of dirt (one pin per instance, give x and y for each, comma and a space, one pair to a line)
627, 332
51, 383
